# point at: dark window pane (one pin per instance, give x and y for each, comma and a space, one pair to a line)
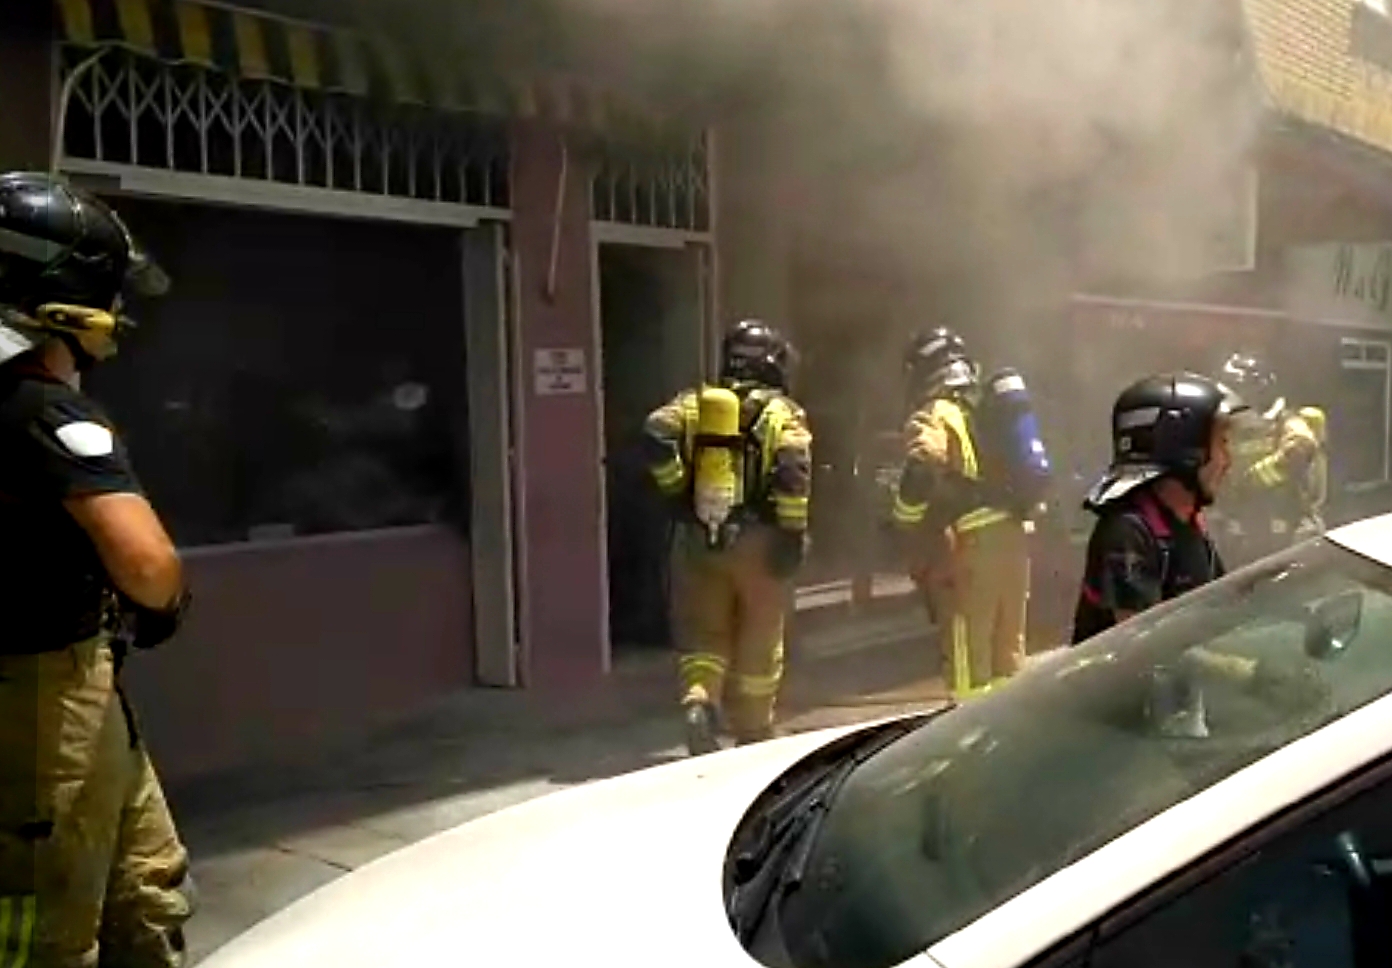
304, 376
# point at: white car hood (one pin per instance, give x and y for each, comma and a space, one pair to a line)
622, 872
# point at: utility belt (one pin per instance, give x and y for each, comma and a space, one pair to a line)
28, 639
110, 633
967, 505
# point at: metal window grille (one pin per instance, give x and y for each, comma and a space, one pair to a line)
663, 186
131, 110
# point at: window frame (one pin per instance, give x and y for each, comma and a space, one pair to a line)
1221, 859
1354, 356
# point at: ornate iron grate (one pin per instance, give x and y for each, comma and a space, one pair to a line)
132, 110
663, 185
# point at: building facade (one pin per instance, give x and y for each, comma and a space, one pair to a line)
418, 313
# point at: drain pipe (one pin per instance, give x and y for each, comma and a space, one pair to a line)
553, 269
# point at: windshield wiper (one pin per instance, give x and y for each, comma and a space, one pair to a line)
774, 864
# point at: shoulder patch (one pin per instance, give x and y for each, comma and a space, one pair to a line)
84, 438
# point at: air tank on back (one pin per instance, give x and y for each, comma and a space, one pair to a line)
1024, 468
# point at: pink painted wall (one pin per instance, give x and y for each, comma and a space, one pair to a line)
294, 643
564, 609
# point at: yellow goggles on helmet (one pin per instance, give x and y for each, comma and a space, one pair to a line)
94, 329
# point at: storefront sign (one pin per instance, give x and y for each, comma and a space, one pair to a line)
559, 372
1341, 282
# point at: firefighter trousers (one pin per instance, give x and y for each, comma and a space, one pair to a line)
92, 871
983, 606
728, 618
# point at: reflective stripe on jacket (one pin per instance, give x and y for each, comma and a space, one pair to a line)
938, 438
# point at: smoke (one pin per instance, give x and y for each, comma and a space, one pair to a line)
926, 161
992, 151
991, 147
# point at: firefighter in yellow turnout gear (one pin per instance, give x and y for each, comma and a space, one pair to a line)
735, 461
1316, 490
968, 556
1281, 467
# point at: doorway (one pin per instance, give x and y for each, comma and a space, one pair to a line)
651, 323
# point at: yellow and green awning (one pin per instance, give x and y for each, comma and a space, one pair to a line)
260, 47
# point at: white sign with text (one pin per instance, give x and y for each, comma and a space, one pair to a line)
558, 372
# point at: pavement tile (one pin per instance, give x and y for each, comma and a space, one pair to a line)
239, 890
348, 846
409, 824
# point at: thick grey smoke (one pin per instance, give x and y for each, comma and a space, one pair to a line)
1011, 140
961, 161
989, 152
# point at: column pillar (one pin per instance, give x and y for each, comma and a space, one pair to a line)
564, 588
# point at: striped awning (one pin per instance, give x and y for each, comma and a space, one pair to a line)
257, 46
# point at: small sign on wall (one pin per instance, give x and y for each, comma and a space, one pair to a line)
559, 372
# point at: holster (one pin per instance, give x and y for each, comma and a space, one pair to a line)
118, 625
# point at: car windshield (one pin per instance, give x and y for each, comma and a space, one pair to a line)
980, 804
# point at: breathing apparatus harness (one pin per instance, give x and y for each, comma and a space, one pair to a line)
729, 450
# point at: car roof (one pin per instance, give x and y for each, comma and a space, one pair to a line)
1371, 538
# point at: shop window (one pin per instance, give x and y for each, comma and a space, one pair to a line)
1361, 415
303, 377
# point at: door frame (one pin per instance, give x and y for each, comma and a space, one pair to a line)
1367, 365
615, 233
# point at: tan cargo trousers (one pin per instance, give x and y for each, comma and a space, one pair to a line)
728, 618
980, 602
91, 867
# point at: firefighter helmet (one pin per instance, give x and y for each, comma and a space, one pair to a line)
1250, 376
755, 352
936, 361
66, 262
1163, 426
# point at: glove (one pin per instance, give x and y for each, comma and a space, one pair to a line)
786, 553
146, 628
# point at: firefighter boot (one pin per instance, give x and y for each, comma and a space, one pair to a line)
700, 728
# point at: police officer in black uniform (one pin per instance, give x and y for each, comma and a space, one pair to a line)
1169, 456
91, 867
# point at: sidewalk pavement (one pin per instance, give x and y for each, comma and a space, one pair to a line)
261, 840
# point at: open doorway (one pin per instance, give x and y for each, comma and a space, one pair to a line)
652, 337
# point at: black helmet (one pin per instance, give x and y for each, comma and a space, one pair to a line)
65, 261
936, 361
755, 352
1163, 425
1248, 375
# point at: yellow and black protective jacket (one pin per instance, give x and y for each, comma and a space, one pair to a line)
777, 466
1283, 473
942, 482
